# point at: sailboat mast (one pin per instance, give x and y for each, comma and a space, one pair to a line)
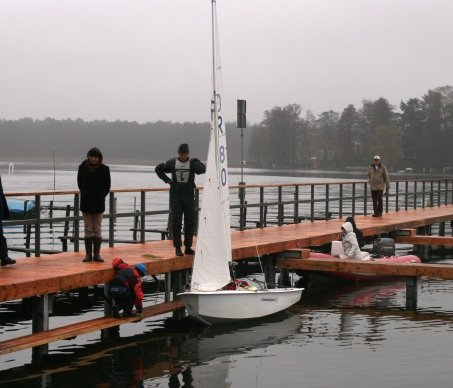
215, 97
213, 37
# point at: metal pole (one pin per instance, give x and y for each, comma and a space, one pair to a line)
242, 155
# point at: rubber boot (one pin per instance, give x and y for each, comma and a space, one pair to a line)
5, 260
97, 249
88, 250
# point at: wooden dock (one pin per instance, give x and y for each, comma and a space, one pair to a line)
35, 277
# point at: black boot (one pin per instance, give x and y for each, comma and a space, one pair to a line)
7, 260
88, 249
178, 251
189, 251
96, 249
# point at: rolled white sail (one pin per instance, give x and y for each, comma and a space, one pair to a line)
213, 251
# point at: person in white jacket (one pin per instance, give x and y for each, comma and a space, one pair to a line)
350, 245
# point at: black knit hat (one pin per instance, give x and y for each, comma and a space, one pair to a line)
183, 148
95, 152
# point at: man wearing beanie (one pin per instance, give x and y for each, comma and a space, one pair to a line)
378, 178
182, 191
93, 179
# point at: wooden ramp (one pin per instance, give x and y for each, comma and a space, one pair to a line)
76, 329
377, 267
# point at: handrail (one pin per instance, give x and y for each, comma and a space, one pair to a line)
262, 205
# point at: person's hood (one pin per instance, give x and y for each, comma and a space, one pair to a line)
347, 226
118, 263
352, 221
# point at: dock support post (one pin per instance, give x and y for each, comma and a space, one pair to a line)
111, 332
284, 280
168, 286
442, 229
178, 286
42, 306
411, 292
422, 250
269, 270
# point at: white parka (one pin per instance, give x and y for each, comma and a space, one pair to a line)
350, 245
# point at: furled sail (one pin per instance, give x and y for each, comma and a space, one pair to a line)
213, 250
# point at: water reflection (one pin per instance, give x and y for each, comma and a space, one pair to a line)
199, 357
209, 353
335, 321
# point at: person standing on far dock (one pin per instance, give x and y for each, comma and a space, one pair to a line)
93, 179
4, 214
378, 179
182, 202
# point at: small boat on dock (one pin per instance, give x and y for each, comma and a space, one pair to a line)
20, 208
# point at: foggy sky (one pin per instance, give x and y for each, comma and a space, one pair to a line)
149, 60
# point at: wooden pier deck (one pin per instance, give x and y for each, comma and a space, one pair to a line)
66, 271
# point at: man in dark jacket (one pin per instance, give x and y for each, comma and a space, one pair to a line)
4, 214
126, 288
93, 179
182, 190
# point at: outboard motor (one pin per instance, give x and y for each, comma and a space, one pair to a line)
384, 247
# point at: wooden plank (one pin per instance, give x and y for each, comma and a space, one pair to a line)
371, 267
60, 333
300, 253
65, 271
405, 232
425, 240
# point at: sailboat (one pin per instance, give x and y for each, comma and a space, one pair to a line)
207, 300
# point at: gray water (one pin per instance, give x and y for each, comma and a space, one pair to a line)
336, 336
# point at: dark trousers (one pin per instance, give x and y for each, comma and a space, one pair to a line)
3, 244
183, 204
376, 195
123, 297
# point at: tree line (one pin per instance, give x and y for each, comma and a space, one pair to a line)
121, 141
419, 135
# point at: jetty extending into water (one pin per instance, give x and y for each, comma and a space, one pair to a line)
282, 245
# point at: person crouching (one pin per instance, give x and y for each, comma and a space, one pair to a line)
126, 288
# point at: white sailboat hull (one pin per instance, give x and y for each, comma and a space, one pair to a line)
228, 306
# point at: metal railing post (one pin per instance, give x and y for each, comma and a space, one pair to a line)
241, 208
327, 201
38, 226
353, 200
312, 203
406, 195
296, 204
397, 196
111, 219
142, 216
365, 198
76, 222
280, 207
438, 192
261, 207
340, 205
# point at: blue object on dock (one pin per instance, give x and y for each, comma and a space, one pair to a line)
20, 207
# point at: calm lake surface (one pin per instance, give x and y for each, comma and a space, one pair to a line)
338, 335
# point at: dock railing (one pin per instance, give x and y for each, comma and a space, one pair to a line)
135, 214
